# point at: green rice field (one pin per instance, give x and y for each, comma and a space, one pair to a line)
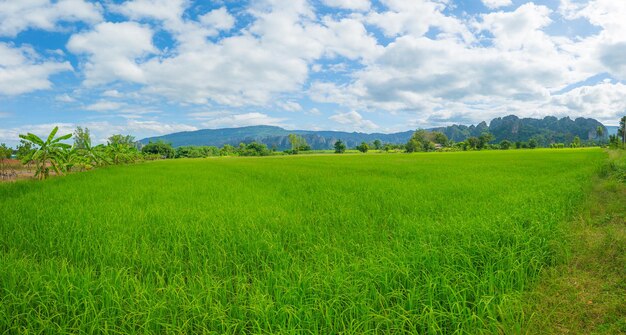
431, 243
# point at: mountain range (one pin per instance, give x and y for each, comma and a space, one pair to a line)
547, 130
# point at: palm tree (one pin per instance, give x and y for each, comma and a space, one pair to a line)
47, 154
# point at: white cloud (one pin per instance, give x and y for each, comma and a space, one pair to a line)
19, 15
520, 29
242, 120
113, 50
164, 10
112, 94
23, 71
604, 101
416, 18
361, 5
290, 106
314, 111
218, 19
102, 106
100, 131
64, 98
354, 120
496, 3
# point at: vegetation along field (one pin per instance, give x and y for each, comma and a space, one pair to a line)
431, 243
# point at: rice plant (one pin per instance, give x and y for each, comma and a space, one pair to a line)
440, 243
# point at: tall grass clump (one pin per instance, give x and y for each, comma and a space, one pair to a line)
419, 244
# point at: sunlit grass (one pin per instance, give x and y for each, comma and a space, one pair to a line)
424, 243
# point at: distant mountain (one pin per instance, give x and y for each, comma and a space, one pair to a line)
274, 137
547, 130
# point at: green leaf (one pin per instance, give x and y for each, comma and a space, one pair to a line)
51, 136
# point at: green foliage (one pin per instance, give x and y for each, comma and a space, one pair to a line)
160, 148
192, 151
298, 143
48, 155
621, 130
424, 140
576, 142
614, 141
82, 138
377, 144
532, 144
5, 152
24, 149
253, 149
473, 143
363, 147
515, 129
126, 140
600, 132
340, 147
505, 144
379, 244
484, 139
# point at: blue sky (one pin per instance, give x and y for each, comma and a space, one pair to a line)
149, 67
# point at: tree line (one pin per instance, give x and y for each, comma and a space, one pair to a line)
54, 155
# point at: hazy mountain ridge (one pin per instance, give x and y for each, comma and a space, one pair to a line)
547, 130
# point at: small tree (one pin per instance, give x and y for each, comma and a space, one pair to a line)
377, 144
5, 154
505, 144
484, 139
533, 143
576, 142
621, 131
363, 147
298, 143
472, 142
440, 138
340, 147
160, 148
600, 132
82, 138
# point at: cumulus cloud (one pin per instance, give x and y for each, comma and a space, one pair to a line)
22, 70
218, 19
497, 3
416, 18
102, 106
431, 67
17, 16
64, 98
360, 5
520, 29
99, 130
289, 106
113, 51
604, 101
354, 120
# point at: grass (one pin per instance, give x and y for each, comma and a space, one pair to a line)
586, 292
443, 243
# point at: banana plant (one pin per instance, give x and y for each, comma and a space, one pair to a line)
88, 157
48, 154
